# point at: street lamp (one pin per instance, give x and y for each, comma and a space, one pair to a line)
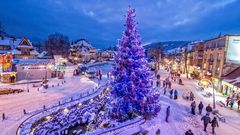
205, 83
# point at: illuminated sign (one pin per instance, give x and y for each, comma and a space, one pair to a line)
233, 53
6, 62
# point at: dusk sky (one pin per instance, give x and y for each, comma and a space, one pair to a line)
101, 21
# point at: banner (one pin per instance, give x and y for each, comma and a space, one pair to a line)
233, 50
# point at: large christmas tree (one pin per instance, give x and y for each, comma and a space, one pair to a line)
132, 91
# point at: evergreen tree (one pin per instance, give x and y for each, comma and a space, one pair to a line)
132, 91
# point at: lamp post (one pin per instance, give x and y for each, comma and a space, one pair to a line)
206, 83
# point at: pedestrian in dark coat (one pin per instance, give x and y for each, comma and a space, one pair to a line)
175, 94
238, 104
167, 113
193, 106
214, 124
157, 83
164, 91
206, 119
200, 107
209, 109
231, 102
171, 93
180, 81
227, 101
100, 75
164, 83
169, 85
191, 96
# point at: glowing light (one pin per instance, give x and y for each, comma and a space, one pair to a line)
205, 82
48, 117
80, 104
50, 66
65, 110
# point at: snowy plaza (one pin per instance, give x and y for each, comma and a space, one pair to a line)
180, 118
120, 68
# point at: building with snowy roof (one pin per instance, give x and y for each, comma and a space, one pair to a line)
20, 59
82, 51
20, 48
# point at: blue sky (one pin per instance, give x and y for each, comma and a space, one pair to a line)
101, 21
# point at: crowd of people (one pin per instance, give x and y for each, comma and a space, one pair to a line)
189, 96
230, 101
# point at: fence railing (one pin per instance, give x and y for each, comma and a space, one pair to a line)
122, 126
25, 126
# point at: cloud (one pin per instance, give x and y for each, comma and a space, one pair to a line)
102, 21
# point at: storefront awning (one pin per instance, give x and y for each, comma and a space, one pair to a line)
233, 77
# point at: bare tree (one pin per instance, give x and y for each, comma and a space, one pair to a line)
57, 43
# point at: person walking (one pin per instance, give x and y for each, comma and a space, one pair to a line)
167, 113
175, 94
214, 123
171, 93
209, 109
193, 106
169, 85
157, 83
206, 119
191, 96
227, 101
180, 81
164, 83
188, 95
164, 91
231, 102
100, 75
200, 107
238, 104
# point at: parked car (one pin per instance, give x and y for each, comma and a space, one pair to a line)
90, 74
83, 69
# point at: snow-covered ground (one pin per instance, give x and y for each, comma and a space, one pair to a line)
181, 119
13, 105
